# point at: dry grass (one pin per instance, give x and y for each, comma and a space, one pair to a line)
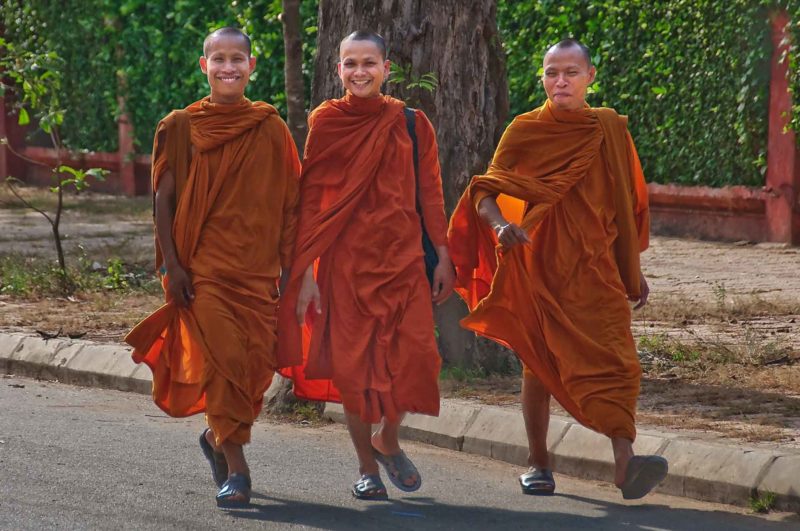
86, 204
101, 316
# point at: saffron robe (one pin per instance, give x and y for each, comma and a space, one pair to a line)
235, 221
375, 336
561, 302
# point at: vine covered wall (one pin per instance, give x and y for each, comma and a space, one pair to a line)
692, 74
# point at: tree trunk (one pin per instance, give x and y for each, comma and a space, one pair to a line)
457, 40
293, 72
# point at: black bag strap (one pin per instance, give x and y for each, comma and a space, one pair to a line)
411, 125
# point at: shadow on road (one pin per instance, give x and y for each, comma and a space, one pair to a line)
427, 513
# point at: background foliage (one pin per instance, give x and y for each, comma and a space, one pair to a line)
150, 49
692, 74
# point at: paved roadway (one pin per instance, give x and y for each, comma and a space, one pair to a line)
79, 458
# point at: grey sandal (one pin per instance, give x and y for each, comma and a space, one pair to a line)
399, 468
369, 487
219, 466
644, 473
537, 482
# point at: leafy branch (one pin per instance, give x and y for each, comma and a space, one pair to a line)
402, 75
35, 82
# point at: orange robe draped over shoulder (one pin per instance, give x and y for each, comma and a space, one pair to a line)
375, 335
234, 230
561, 302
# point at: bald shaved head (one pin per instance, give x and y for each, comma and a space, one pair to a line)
572, 43
227, 32
370, 36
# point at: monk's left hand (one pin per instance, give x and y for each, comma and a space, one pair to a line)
644, 289
444, 279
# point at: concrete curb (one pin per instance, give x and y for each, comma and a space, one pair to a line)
715, 470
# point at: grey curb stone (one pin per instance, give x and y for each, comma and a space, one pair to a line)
699, 469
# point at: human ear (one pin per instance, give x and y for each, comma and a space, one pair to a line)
387, 68
252, 62
203, 64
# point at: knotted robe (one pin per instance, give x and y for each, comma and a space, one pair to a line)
375, 336
561, 302
235, 221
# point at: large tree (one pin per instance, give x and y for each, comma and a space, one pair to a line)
458, 42
293, 72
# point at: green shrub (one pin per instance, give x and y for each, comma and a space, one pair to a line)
691, 74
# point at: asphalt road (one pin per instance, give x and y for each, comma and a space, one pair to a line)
79, 458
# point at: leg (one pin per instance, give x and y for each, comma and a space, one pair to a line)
538, 480
235, 492
214, 456
234, 455
370, 486
536, 412
623, 451
360, 432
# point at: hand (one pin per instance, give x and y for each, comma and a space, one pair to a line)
510, 235
644, 289
179, 286
309, 293
444, 278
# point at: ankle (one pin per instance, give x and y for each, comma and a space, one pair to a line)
385, 444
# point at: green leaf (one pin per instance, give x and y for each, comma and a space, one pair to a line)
98, 174
69, 169
24, 119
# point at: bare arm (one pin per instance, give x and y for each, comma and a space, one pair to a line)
179, 285
309, 293
508, 234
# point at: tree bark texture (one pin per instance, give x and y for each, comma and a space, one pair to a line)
293, 72
458, 41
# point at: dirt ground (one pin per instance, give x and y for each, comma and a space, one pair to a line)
719, 341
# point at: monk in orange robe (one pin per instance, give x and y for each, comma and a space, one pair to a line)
557, 288
226, 177
369, 304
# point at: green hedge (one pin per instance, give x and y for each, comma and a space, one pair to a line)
78, 34
162, 43
154, 47
691, 74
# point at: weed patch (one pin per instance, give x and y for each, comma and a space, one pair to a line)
762, 504
34, 277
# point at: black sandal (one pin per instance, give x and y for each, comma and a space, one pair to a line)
235, 492
537, 482
370, 487
219, 466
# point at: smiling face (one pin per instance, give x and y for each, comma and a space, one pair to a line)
227, 64
567, 75
362, 67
